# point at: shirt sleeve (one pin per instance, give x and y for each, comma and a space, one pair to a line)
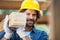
43, 36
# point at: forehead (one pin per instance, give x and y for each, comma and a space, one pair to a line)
30, 11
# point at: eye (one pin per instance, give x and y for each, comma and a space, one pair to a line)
28, 13
34, 14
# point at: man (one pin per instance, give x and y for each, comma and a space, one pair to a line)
31, 8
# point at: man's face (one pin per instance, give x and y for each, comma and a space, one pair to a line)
31, 17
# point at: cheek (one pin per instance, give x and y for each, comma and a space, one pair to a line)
35, 18
27, 17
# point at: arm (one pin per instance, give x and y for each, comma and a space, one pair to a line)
4, 38
8, 32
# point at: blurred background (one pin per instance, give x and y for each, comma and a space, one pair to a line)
49, 21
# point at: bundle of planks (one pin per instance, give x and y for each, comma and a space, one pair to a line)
17, 19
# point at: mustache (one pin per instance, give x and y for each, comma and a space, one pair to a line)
30, 20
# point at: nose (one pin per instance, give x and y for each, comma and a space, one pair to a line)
31, 17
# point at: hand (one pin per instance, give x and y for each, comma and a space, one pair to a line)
3, 38
6, 28
27, 38
22, 33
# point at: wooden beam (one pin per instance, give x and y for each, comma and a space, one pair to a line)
11, 0
11, 4
43, 20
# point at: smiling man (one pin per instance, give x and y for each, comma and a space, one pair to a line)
32, 9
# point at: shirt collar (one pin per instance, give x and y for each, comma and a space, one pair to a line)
34, 30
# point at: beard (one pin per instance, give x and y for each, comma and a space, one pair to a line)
30, 23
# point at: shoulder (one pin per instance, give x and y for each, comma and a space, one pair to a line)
42, 34
40, 31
